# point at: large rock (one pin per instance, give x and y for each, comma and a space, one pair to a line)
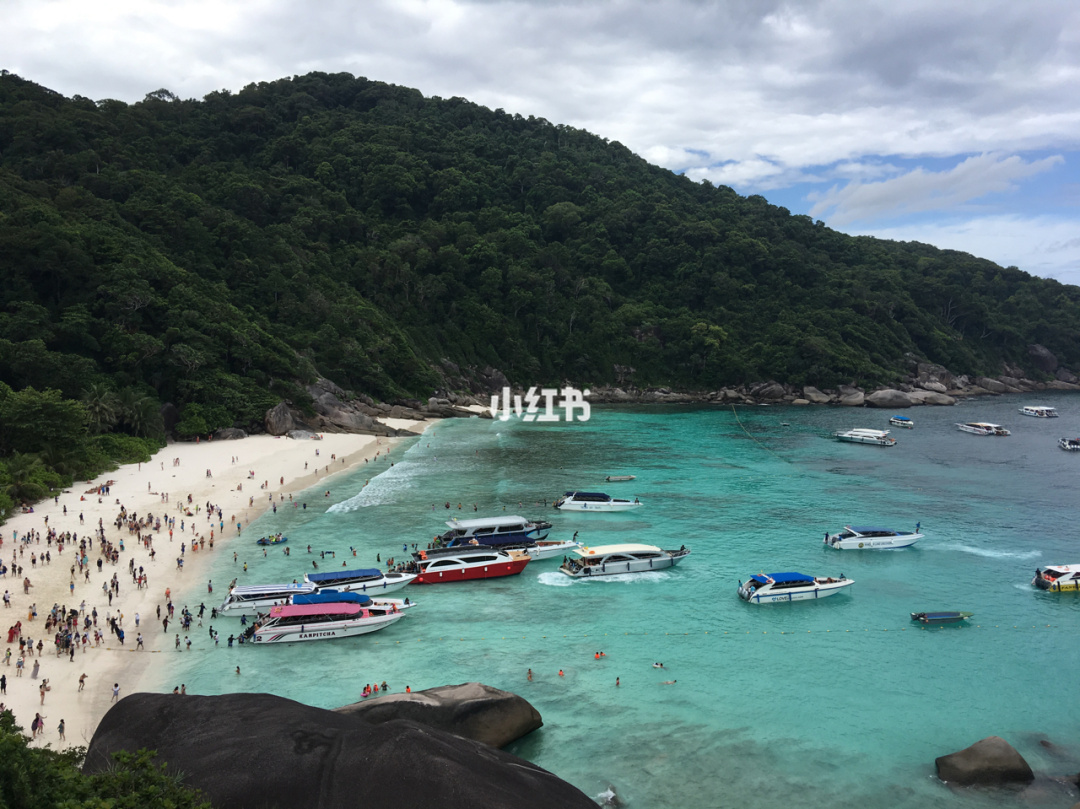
992, 762
851, 396
816, 396
936, 387
253, 751
1065, 375
1042, 358
472, 710
768, 391
991, 385
928, 397
889, 399
229, 434
279, 420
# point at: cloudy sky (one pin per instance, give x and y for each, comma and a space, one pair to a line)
952, 122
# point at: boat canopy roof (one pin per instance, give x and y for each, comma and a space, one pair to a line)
487, 522
867, 529
901, 418
314, 610
982, 424
598, 495
371, 572
782, 578
606, 550
331, 597
1062, 569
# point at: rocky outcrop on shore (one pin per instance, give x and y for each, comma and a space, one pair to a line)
990, 762
251, 751
472, 710
335, 410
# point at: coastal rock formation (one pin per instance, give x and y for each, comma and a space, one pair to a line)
279, 420
992, 762
889, 398
229, 434
991, 385
1043, 358
816, 396
851, 396
768, 392
251, 751
928, 397
472, 710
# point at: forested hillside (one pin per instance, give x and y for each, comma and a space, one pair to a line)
219, 253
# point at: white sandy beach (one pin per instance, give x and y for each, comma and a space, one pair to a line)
179, 470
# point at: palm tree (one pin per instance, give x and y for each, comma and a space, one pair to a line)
140, 413
102, 407
20, 487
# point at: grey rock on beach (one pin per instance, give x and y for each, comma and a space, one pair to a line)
252, 751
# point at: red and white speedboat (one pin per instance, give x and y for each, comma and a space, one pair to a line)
466, 564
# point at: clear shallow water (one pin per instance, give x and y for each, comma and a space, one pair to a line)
841, 702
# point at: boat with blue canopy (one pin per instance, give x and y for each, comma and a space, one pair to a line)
771, 588
902, 421
365, 580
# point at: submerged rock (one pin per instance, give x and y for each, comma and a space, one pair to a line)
472, 710
992, 761
252, 751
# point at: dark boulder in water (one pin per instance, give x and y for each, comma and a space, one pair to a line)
991, 762
252, 751
472, 710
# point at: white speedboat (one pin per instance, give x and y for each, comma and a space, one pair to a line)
550, 549
982, 428
1070, 444
609, 560
1058, 578
862, 435
367, 580
620, 478
902, 421
868, 538
1039, 411
595, 501
774, 587
320, 622
256, 598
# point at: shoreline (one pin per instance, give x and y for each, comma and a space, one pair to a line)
218, 473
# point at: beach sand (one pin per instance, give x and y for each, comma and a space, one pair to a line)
285, 465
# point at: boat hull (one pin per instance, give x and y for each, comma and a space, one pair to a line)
794, 593
493, 570
935, 618
614, 505
623, 567
873, 543
324, 631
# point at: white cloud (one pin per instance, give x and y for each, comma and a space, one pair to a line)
1046, 246
920, 190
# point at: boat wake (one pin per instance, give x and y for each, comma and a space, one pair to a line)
556, 579
990, 554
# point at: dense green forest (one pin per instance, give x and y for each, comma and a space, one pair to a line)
218, 254
43, 778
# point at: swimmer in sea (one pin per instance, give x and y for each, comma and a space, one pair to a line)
670, 682
657, 665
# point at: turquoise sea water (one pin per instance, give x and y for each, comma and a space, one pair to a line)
841, 703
